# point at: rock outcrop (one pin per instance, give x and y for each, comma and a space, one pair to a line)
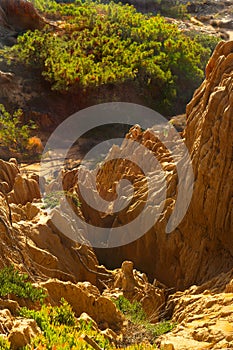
84, 297
20, 15
18, 330
203, 315
134, 286
18, 188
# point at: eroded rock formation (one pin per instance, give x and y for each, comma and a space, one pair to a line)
84, 297
19, 331
28, 238
201, 246
62, 267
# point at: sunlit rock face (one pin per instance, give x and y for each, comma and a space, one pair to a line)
203, 315
201, 246
20, 15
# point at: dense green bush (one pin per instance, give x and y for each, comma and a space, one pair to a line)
207, 41
13, 282
57, 315
109, 44
47, 6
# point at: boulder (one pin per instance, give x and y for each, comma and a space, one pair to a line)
22, 332
100, 308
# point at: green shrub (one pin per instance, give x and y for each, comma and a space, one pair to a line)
63, 314
133, 311
13, 133
207, 41
60, 329
111, 44
58, 315
13, 282
45, 5
160, 328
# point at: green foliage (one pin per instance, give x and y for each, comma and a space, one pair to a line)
60, 329
52, 199
171, 8
48, 6
133, 311
13, 133
56, 316
13, 282
207, 41
4, 344
63, 314
101, 44
160, 328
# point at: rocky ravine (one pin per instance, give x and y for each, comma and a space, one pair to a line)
198, 252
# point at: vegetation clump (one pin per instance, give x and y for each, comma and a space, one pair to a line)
14, 134
139, 321
95, 45
52, 199
133, 311
4, 343
16, 283
61, 330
